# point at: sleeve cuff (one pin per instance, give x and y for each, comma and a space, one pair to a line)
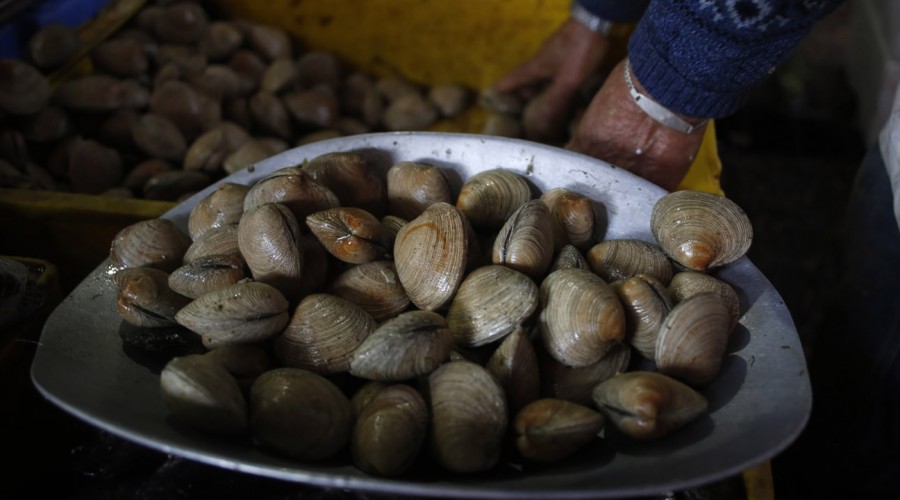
616, 11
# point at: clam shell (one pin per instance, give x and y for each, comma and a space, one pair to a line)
270, 115
412, 187
175, 185
145, 298
242, 361
281, 74
693, 338
319, 67
23, 89
700, 230
375, 287
549, 430
575, 384
349, 177
299, 413
514, 364
205, 274
269, 241
647, 303
430, 253
648, 405
573, 215
525, 242
269, 41
246, 312
468, 417
313, 108
223, 206
364, 395
412, 344
489, 198
323, 333
199, 392
450, 99
221, 40
294, 188
581, 317
412, 111
490, 303
153, 243
53, 45
390, 431
251, 151
688, 283
350, 234
222, 240
620, 259
569, 257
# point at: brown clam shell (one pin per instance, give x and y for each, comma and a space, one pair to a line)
375, 287
350, 234
412, 187
623, 258
205, 274
155, 243
269, 241
525, 242
413, 343
294, 188
692, 340
223, 206
349, 177
199, 392
489, 198
145, 298
549, 430
515, 365
389, 432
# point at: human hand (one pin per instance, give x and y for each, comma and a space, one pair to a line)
564, 63
616, 130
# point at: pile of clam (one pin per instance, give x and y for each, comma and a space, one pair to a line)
177, 99
385, 314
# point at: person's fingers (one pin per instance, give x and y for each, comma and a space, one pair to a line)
528, 74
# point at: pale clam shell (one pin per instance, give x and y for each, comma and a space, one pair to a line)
525, 242
390, 431
269, 241
201, 393
145, 298
349, 177
223, 206
648, 405
692, 340
687, 283
205, 274
468, 417
569, 257
299, 413
350, 234
489, 198
623, 258
412, 187
246, 312
155, 243
412, 344
574, 217
375, 287
270, 115
581, 317
491, 302
323, 333
549, 430
222, 240
430, 253
294, 188
647, 303
515, 365
700, 230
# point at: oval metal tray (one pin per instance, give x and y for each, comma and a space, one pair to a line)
759, 404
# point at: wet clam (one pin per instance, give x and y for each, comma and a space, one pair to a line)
317, 107
549, 430
270, 41
525, 242
569, 257
221, 40
688, 283
145, 298
158, 137
279, 75
692, 340
490, 303
413, 343
251, 151
623, 258
242, 361
205, 274
375, 287
575, 384
350, 234
581, 317
349, 177
269, 241
430, 253
154, 243
514, 364
647, 303
574, 217
323, 333
199, 392
648, 405
364, 395
222, 240
700, 230
389, 432
489, 198
246, 312
294, 188
299, 413
223, 206
412, 187
468, 417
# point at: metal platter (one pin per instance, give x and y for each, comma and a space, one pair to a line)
758, 405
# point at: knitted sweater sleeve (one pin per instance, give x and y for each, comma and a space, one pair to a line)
617, 11
702, 57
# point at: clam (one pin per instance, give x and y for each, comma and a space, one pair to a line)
389, 432
688, 283
502, 125
692, 340
317, 107
294, 188
270, 115
350, 234
489, 198
49, 124
581, 317
116, 129
316, 266
450, 99
375, 287
223, 206
123, 57
182, 105
410, 112
623, 258
145, 298
430, 253
270, 41
514, 364
569, 257
244, 313
391, 225
138, 177
154, 243
356, 86
157, 137
93, 167
319, 67
217, 81
23, 89
468, 417
575, 384
573, 215
700, 230
242, 361
182, 22
221, 40
299, 413
199, 392
549, 430
269, 241
364, 395
349, 177
648, 405
392, 87
525, 242
323, 333
251, 151
52, 46
490, 303
222, 240
500, 102
96, 93
205, 274
542, 121
281, 74
174, 185
412, 187
249, 67
411, 344
647, 303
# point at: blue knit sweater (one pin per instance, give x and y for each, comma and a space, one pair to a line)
702, 57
